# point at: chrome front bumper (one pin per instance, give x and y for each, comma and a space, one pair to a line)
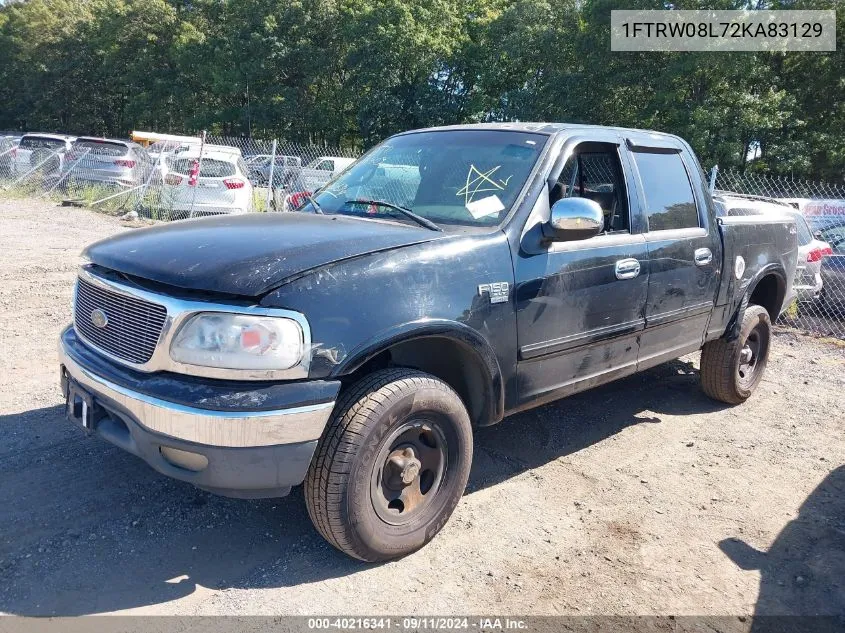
236, 448
214, 428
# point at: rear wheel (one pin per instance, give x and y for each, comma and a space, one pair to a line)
732, 369
391, 465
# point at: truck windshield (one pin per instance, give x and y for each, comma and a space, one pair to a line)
461, 177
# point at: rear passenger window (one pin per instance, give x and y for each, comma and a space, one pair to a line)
668, 193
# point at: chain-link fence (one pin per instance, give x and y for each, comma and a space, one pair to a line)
819, 210
186, 177
171, 179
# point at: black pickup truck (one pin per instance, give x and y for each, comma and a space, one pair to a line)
449, 278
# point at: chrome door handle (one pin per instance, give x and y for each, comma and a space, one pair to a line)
703, 256
627, 268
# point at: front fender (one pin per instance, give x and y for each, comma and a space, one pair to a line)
470, 340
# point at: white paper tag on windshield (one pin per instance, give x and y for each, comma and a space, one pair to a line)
485, 206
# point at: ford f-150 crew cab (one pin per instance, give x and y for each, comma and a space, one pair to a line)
447, 279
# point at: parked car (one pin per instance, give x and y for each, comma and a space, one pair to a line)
8, 144
41, 153
285, 170
161, 152
395, 182
832, 297
355, 344
107, 162
318, 172
222, 185
808, 280
820, 222
811, 253
254, 164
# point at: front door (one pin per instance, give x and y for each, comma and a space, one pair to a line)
580, 304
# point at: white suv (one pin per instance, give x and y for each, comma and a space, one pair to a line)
221, 186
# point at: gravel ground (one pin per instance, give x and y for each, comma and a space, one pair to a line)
641, 497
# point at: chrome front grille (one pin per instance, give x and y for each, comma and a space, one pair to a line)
132, 325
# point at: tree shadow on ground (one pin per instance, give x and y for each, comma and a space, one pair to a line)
803, 572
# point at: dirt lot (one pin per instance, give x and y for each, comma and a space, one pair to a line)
642, 497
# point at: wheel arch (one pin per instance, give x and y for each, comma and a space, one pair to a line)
463, 359
767, 289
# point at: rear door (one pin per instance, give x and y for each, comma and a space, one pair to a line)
580, 304
684, 250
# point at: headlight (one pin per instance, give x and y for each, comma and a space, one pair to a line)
238, 341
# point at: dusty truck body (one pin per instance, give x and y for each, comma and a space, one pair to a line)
451, 277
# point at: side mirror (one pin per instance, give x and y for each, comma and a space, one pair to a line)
574, 219
817, 235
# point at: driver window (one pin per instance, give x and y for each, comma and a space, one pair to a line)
594, 171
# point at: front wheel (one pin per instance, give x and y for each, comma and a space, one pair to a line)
732, 369
391, 466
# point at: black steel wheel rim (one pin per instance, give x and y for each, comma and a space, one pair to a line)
409, 470
752, 356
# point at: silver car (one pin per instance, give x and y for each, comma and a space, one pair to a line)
41, 153
318, 172
833, 266
285, 169
107, 162
811, 252
8, 145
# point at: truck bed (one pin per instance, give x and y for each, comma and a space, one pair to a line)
752, 246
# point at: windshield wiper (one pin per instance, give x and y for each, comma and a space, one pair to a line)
317, 207
403, 210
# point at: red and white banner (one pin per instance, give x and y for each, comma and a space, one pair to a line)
823, 207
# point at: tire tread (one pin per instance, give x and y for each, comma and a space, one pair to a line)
360, 406
718, 359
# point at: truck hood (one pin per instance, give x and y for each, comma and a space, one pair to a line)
247, 255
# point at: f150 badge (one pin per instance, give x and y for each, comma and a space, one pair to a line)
498, 291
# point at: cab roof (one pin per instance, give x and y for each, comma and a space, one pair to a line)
550, 129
